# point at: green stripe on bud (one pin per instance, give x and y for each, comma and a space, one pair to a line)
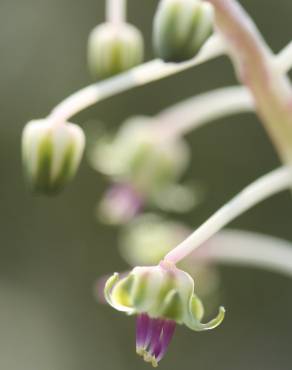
51, 154
181, 27
114, 48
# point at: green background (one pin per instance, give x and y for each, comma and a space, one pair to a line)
52, 249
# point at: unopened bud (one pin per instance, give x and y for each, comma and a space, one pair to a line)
181, 27
51, 154
114, 48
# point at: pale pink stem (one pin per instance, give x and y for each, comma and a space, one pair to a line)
116, 11
243, 248
138, 76
256, 68
263, 188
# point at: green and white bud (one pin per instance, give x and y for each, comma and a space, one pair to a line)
181, 27
51, 154
160, 292
114, 48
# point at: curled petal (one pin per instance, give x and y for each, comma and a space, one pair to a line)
111, 282
172, 307
197, 307
194, 324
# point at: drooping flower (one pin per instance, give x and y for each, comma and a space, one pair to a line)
161, 296
149, 237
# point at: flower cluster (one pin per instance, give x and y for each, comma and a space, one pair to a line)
147, 157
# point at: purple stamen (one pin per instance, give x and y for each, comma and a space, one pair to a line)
153, 337
168, 332
142, 330
156, 335
149, 332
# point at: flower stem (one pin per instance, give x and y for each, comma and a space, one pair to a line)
116, 11
141, 75
256, 68
194, 112
153, 71
284, 59
266, 186
242, 248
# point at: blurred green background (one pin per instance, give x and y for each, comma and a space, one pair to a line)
52, 249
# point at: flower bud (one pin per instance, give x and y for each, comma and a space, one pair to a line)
161, 296
51, 154
114, 48
181, 27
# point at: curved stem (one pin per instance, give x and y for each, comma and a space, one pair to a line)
242, 248
194, 112
155, 70
256, 68
141, 75
266, 186
116, 11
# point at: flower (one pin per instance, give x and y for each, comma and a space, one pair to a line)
162, 296
51, 154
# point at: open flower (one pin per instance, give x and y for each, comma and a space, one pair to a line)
161, 296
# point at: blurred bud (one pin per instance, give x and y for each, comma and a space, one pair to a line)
120, 204
148, 238
51, 154
140, 157
179, 198
113, 49
181, 27
159, 295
